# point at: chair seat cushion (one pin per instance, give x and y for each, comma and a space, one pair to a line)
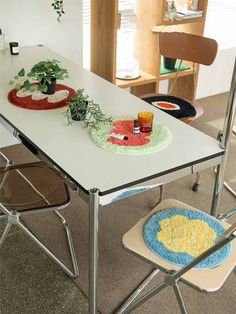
179, 234
205, 279
175, 106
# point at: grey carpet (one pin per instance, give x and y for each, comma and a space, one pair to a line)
120, 272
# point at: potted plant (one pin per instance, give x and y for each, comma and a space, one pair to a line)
169, 63
77, 106
58, 6
42, 76
82, 108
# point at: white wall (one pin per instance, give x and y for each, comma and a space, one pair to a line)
33, 22
216, 79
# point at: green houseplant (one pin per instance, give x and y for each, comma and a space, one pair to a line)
42, 76
82, 108
58, 7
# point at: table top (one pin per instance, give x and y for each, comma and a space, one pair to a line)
70, 147
6, 138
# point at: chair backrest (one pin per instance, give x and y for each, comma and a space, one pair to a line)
188, 47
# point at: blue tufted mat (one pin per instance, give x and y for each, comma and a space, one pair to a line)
195, 227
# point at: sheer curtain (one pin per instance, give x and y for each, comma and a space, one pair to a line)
221, 22
86, 34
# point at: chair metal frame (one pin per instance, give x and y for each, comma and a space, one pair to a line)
13, 218
173, 278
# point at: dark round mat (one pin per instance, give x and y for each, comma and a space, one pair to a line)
175, 106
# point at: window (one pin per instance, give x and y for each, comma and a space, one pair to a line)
125, 35
221, 22
86, 34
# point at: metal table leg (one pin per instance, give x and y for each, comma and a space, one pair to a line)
227, 186
93, 249
224, 144
234, 129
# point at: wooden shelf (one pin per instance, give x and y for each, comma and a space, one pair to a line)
182, 21
164, 24
145, 78
151, 21
172, 75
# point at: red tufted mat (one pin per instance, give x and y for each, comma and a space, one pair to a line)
126, 127
42, 104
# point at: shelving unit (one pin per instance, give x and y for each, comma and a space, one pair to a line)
172, 75
150, 17
143, 79
165, 23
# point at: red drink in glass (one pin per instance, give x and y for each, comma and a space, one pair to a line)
145, 121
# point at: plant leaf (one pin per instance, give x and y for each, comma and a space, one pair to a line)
21, 73
43, 88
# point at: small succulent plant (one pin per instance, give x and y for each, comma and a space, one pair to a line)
81, 107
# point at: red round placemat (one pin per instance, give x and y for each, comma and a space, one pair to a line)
42, 104
126, 127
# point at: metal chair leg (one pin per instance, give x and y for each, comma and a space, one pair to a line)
196, 184
70, 243
5, 233
161, 188
179, 299
3, 181
137, 291
145, 298
47, 251
3, 216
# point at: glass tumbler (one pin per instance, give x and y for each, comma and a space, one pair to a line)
145, 121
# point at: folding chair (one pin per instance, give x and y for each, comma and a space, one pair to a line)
28, 189
203, 280
184, 47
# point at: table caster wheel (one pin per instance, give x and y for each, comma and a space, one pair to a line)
195, 187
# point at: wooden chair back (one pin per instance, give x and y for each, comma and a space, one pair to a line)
188, 47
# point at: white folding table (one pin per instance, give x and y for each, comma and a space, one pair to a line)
97, 172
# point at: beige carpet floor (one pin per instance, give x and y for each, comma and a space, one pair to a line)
120, 272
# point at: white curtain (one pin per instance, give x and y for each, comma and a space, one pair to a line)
221, 22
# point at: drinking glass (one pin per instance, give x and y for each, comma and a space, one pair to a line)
145, 121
